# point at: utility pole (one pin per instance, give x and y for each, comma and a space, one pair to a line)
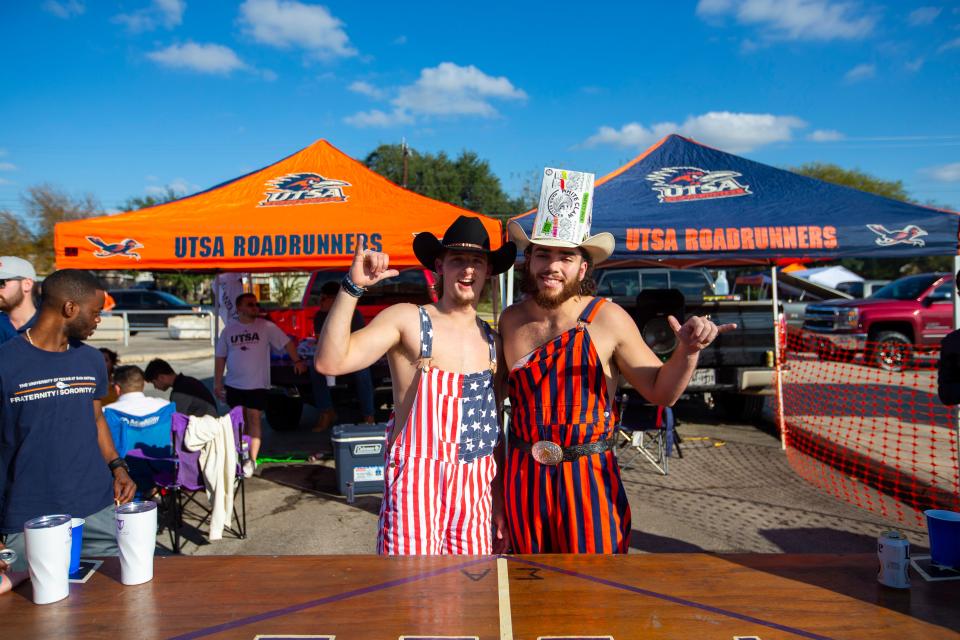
403, 146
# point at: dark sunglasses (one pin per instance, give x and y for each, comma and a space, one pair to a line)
4, 281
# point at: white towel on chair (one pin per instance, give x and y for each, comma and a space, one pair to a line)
213, 438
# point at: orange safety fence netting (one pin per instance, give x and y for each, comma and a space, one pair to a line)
867, 426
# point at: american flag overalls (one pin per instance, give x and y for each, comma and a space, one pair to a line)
560, 394
437, 496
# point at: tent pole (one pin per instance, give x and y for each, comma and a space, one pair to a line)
509, 288
781, 422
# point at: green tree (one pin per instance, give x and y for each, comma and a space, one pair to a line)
889, 268
465, 181
30, 235
151, 200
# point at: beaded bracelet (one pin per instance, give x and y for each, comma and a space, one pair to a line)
351, 287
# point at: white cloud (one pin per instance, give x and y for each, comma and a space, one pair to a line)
378, 118
952, 44
734, 132
400, 40
449, 89
923, 15
160, 13
366, 89
914, 65
287, 23
202, 58
64, 9
860, 72
944, 173
445, 90
794, 19
7, 166
825, 135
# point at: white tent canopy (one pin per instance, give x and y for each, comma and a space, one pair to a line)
827, 276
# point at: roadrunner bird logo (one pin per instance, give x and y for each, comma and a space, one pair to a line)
110, 249
910, 234
304, 188
681, 184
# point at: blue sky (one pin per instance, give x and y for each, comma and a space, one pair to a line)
120, 99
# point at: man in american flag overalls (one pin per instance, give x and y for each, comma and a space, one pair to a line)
442, 492
565, 350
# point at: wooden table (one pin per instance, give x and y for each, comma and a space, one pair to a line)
365, 597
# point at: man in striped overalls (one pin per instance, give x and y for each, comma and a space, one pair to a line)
565, 350
442, 492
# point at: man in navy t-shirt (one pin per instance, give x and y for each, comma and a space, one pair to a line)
56, 453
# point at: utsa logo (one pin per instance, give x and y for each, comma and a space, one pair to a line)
123, 248
303, 188
910, 234
681, 184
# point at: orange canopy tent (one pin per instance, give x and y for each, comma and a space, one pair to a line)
308, 211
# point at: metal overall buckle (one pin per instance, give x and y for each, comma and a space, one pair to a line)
547, 452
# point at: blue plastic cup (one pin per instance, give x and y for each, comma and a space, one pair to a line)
76, 544
944, 530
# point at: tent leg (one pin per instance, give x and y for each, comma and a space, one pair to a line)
509, 300
781, 421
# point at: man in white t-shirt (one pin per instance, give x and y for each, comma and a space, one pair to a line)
244, 351
128, 382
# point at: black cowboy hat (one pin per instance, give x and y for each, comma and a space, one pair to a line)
465, 234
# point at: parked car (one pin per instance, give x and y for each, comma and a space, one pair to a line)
862, 289
144, 300
908, 315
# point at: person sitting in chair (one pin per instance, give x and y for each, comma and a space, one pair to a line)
128, 383
189, 394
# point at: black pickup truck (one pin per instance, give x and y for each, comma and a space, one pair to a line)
737, 371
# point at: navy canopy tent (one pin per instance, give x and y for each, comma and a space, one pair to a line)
685, 203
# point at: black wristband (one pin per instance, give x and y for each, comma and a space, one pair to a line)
118, 462
351, 287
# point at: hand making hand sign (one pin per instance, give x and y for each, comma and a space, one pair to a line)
697, 333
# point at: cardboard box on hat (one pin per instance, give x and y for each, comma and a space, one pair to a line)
566, 207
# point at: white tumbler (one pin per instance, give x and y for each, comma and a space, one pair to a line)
47, 541
137, 538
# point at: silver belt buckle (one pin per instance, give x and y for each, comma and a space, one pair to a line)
547, 452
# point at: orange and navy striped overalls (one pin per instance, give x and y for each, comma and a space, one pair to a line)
560, 394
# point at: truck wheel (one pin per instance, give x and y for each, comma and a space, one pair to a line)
740, 406
283, 411
891, 351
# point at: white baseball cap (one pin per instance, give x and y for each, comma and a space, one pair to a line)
14, 267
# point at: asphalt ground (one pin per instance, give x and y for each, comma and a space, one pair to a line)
732, 491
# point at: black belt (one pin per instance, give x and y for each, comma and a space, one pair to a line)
550, 453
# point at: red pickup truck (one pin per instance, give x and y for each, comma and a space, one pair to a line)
288, 389
909, 315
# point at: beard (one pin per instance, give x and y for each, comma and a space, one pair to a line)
553, 301
11, 301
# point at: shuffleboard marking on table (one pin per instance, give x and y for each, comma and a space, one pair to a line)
267, 615
529, 573
476, 577
675, 600
503, 596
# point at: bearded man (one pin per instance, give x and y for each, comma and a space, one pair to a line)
17, 310
566, 350
442, 492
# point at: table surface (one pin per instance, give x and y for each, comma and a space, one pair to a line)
368, 597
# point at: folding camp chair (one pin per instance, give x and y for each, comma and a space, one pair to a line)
179, 487
144, 441
650, 432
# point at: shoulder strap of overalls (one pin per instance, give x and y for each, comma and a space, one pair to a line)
491, 343
426, 339
590, 311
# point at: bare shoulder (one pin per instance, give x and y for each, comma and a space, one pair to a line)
397, 315
511, 317
614, 319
